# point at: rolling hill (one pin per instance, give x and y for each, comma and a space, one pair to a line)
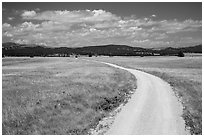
14, 49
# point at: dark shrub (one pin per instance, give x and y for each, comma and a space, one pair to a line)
180, 54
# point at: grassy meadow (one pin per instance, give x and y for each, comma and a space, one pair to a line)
183, 74
59, 95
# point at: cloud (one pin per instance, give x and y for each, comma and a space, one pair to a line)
7, 34
28, 14
71, 16
20, 41
6, 25
37, 9
174, 26
11, 18
96, 27
159, 36
6, 30
153, 15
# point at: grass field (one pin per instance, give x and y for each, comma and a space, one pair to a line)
184, 75
59, 95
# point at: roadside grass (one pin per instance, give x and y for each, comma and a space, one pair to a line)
59, 95
183, 74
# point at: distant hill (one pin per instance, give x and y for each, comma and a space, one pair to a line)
192, 49
115, 50
14, 49
174, 51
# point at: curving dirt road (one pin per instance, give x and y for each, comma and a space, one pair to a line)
152, 110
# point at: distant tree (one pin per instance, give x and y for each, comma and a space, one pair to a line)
180, 54
90, 55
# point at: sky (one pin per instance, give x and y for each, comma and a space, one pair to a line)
69, 24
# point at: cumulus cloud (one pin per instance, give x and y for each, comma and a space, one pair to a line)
7, 34
28, 14
6, 25
96, 27
71, 16
153, 15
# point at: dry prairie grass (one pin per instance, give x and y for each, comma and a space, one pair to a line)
59, 95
